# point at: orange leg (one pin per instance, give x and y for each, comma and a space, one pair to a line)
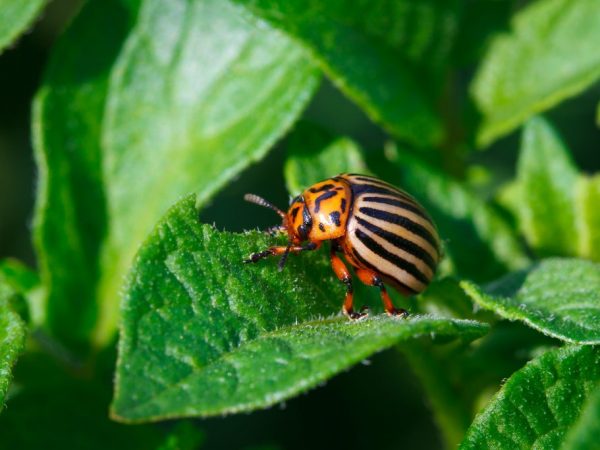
370, 278
341, 271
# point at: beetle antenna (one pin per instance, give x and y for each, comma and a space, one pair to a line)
284, 257
253, 198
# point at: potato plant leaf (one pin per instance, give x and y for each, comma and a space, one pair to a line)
540, 404
12, 332
552, 42
558, 296
583, 435
16, 16
548, 181
70, 217
188, 133
153, 104
366, 50
204, 334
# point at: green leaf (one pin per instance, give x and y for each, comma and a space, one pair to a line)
467, 224
549, 55
548, 181
16, 17
223, 89
559, 297
587, 216
546, 176
540, 403
315, 155
583, 435
366, 49
203, 334
70, 217
198, 92
12, 335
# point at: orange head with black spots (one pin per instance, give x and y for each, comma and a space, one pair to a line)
320, 213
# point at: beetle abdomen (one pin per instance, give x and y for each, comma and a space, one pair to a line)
390, 233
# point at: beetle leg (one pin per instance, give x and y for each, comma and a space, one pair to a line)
341, 271
370, 278
280, 250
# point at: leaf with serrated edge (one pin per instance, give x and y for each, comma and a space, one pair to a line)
223, 89
199, 92
12, 336
558, 296
540, 403
549, 55
16, 16
203, 334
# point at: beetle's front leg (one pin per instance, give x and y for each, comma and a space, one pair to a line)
280, 250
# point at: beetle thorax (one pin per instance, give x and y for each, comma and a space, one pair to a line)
321, 212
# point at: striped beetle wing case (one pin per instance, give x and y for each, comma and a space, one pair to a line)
379, 229
389, 232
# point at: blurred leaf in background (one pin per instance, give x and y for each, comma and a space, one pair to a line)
153, 119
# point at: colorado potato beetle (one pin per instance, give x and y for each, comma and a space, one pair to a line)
382, 231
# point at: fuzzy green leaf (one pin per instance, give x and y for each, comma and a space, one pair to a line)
546, 176
548, 181
559, 297
467, 224
25, 284
223, 89
199, 91
549, 55
583, 435
70, 217
368, 53
587, 216
16, 16
12, 333
203, 334
540, 403
314, 155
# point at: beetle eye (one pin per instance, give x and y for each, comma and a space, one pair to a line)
302, 232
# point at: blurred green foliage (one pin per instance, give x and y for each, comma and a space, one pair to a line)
149, 120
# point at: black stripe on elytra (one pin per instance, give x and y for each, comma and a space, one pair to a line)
367, 264
322, 197
343, 205
403, 221
335, 218
400, 242
401, 263
325, 187
359, 188
399, 203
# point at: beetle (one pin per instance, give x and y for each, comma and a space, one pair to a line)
381, 231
